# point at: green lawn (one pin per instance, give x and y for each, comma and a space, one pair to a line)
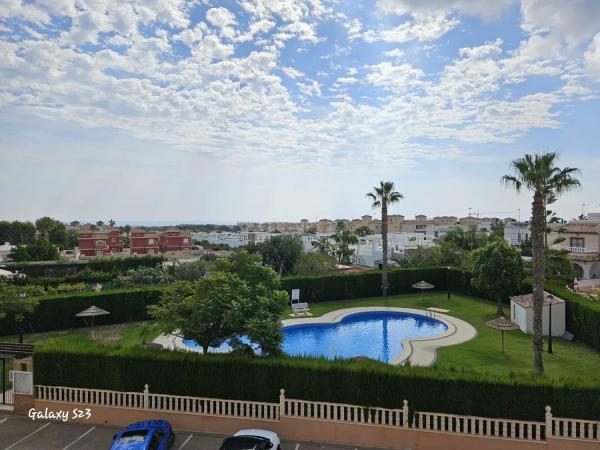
570, 359
481, 354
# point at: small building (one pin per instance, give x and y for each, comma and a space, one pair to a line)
521, 313
99, 243
175, 239
143, 242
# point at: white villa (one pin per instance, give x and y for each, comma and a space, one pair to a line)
581, 238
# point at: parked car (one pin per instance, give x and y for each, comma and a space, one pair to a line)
147, 435
252, 440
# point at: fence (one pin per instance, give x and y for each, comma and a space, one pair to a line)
554, 427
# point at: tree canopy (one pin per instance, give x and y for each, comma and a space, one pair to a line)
238, 298
39, 250
281, 252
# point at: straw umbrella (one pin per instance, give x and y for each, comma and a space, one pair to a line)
423, 285
92, 311
502, 324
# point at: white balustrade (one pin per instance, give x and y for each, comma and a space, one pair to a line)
479, 426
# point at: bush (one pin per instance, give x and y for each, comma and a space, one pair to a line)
320, 288
582, 316
365, 383
57, 312
116, 265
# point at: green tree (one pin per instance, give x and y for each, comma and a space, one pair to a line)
281, 252
539, 173
559, 267
111, 223
383, 196
363, 230
22, 233
322, 245
343, 239
497, 229
191, 271
238, 298
72, 239
311, 263
143, 276
54, 231
39, 250
497, 271
17, 302
6, 232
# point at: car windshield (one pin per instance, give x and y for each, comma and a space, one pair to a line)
245, 443
133, 436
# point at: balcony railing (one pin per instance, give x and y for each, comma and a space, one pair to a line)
582, 250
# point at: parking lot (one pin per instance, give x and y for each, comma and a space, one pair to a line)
22, 433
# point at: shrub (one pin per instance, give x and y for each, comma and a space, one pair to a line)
57, 312
320, 288
365, 383
582, 316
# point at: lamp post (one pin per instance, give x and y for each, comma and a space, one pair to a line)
550, 325
448, 281
22, 295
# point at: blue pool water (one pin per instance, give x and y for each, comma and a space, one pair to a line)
377, 335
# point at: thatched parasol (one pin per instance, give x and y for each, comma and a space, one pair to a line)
423, 285
502, 324
92, 312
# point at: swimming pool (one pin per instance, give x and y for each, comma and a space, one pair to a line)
374, 334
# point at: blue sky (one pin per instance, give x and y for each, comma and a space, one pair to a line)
170, 110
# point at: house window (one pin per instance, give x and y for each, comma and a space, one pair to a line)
150, 251
100, 242
185, 240
577, 242
150, 241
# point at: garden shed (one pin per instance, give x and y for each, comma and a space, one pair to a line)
521, 313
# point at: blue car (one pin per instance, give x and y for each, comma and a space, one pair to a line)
147, 435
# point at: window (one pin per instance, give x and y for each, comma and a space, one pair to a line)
150, 241
101, 242
577, 242
151, 251
185, 240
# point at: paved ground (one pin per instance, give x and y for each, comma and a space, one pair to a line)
22, 433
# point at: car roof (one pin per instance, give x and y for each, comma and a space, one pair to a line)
147, 424
272, 436
243, 442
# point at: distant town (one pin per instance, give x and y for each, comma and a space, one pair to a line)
182, 243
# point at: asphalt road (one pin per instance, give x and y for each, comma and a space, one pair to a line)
22, 433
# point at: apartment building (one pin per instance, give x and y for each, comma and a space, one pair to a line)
581, 238
99, 242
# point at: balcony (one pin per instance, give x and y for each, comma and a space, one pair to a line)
584, 253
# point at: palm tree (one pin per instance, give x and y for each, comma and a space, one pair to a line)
382, 197
344, 238
539, 174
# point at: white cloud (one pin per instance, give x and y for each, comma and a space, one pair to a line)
592, 59
310, 89
482, 8
420, 27
396, 53
220, 17
572, 22
291, 72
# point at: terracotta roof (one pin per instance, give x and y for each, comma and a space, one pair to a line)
525, 300
577, 227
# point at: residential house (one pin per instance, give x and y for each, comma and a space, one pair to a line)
175, 239
99, 243
581, 238
143, 242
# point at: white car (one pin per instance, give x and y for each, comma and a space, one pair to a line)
252, 440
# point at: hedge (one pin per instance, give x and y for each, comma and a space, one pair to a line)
114, 264
582, 316
365, 383
321, 288
57, 312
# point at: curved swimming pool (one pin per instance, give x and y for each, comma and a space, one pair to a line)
374, 334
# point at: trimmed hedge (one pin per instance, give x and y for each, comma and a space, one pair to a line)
57, 312
582, 316
365, 383
116, 265
327, 287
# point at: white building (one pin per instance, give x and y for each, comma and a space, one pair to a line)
5, 250
369, 250
521, 313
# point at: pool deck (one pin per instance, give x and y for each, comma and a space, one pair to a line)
417, 351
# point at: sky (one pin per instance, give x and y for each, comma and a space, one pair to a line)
262, 110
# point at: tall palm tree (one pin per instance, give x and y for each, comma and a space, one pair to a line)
382, 197
538, 173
